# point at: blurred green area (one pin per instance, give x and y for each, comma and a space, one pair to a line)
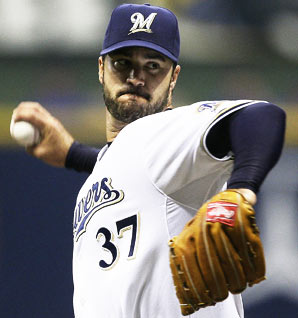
69, 88
229, 50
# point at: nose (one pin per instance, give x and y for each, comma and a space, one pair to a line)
136, 77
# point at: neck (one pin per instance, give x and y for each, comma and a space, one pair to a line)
113, 126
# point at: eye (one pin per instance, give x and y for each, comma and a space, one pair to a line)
153, 66
121, 64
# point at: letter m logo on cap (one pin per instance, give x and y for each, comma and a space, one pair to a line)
140, 24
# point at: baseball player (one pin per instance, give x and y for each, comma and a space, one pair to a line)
164, 224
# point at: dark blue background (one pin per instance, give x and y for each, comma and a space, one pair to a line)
36, 208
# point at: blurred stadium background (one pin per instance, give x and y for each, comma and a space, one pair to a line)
48, 53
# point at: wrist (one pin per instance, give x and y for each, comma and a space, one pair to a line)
249, 195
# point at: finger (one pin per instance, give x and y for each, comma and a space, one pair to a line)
209, 262
30, 105
246, 240
254, 249
229, 259
190, 286
31, 112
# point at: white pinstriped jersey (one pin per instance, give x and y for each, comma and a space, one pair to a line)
142, 191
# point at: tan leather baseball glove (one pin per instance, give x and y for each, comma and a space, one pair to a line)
218, 251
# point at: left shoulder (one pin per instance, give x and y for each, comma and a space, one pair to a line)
220, 107
223, 108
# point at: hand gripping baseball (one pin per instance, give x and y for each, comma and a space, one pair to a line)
55, 140
218, 251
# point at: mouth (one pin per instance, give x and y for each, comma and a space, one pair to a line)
134, 95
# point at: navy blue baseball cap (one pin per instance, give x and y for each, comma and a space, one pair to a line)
143, 25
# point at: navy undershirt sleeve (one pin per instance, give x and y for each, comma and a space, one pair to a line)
255, 135
81, 158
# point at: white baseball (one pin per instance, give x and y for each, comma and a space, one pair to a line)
24, 133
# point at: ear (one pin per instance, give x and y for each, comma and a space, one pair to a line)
175, 77
100, 69
172, 85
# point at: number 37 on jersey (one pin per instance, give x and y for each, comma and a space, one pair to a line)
109, 242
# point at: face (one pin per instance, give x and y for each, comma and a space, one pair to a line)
136, 82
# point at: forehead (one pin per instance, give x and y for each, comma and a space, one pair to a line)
139, 52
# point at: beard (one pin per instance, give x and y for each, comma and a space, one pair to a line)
132, 110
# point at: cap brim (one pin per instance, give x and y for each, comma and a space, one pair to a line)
140, 43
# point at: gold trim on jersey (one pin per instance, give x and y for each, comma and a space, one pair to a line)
100, 195
108, 250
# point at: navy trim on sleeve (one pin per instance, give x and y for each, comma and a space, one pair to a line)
256, 137
217, 140
81, 158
